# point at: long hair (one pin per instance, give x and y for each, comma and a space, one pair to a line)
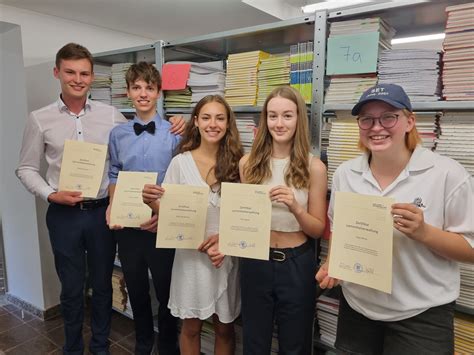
257, 170
412, 138
230, 148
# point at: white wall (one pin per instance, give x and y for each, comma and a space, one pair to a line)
43, 35
25, 265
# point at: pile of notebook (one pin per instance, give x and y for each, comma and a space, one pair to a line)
100, 88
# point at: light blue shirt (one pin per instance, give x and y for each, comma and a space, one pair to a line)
145, 152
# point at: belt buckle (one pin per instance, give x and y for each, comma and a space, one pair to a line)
82, 207
280, 256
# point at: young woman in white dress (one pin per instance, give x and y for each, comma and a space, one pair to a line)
204, 283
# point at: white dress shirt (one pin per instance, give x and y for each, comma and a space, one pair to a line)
45, 133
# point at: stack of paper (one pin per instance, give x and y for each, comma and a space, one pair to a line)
343, 140
347, 89
100, 88
274, 71
427, 124
119, 86
301, 77
458, 59
463, 334
241, 80
416, 70
323, 250
206, 79
466, 298
178, 98
119, 293
455, 141
327, 311
247, 130
325, 130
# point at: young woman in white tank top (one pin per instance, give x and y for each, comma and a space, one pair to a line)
283, 288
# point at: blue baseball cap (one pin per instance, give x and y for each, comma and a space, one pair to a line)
392, 94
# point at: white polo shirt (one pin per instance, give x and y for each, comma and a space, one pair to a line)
421, 278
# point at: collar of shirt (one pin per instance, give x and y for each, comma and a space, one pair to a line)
155, 118
63, 108
421, 159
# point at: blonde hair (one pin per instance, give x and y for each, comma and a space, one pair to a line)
257, 169
412, 138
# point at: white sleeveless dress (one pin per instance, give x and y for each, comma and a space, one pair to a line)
198, 289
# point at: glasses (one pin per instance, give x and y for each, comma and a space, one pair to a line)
387, 120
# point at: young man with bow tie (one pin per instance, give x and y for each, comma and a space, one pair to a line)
145, 144
78, 233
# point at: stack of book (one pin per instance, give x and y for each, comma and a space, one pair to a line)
416, 70
343, 140
301, 75
178, 98
100, 88
463, 334
458, 59
247, 130
325, 130
119, 86
241, 82
274, 71
348, 88
119, 293
427, 124
466, 297
206, 79
327, 311
455, 140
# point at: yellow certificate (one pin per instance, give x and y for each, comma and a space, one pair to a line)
128, 209
182, 217
362, 240
82, 167
245, 219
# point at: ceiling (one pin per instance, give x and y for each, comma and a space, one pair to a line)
154, 19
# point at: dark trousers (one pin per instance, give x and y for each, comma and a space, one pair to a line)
428, 333
137, 254
79, 237
281, 291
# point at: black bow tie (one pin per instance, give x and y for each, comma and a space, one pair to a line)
138, 128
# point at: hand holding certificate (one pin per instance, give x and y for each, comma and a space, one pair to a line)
362, 240
182, 217
245, 219
128, 209
82, 167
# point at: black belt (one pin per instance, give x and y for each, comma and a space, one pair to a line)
281, 255
92, 204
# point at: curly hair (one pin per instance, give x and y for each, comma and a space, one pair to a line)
230, 148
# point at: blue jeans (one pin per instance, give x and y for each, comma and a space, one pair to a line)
430, 332
79, 237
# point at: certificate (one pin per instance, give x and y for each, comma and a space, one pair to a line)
82, 167
182, 217
128, 209
362, 240
245, 220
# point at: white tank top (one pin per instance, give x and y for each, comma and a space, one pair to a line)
282, 219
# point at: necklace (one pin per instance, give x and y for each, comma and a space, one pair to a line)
215, 187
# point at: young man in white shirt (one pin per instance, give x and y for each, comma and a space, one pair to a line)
77, 226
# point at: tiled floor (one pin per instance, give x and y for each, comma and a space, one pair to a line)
24, 334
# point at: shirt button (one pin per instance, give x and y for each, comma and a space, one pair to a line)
80, 132
77, 117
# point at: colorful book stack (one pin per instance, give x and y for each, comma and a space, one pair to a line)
119, 293
455, 141
247, 130
274, 71
463, 334
427, 125
301, 74
458, 59
466, 297
241, 82
119, 86
178, 98
347, 88
100, 88
343, 140
416, 70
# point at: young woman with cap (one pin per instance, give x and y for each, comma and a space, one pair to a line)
283, 288
433, 229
